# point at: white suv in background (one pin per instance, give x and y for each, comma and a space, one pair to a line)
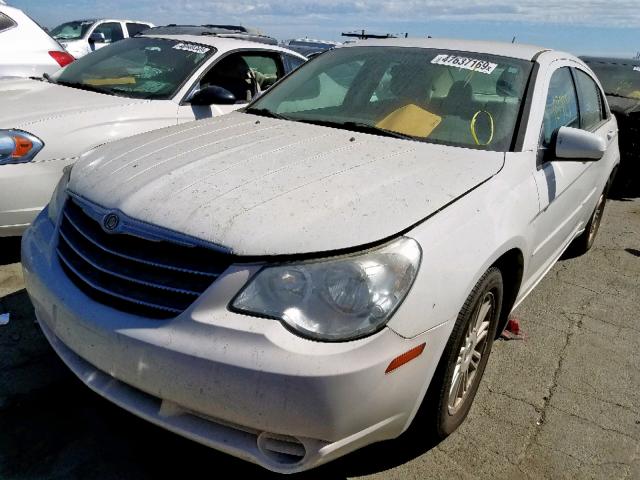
80, 37
26, 50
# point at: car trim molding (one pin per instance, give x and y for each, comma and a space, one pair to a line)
114, 221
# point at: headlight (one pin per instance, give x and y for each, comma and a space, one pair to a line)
59, 196
17, 146
337, 299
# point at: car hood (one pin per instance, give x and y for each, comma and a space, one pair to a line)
623, 105
24, 102
261, 186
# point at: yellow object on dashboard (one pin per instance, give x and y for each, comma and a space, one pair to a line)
110, 81
411, 120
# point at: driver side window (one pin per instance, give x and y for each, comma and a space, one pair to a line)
112, 31
244, 74
561, 109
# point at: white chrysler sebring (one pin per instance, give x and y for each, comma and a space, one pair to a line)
295, 281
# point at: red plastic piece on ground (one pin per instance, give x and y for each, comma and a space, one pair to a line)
513, 325
512, 330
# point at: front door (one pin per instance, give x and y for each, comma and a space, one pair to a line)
566, 189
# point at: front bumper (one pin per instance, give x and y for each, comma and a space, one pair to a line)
233, 382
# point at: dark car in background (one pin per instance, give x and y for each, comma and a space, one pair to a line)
620, 80
308, 47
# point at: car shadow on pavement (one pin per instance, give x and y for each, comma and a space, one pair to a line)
53, 426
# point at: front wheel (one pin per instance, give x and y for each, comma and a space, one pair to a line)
464, 359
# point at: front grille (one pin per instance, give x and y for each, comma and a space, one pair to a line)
157, 279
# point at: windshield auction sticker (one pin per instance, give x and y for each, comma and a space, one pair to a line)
189, 47
474, 64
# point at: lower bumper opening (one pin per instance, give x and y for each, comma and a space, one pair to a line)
283, 450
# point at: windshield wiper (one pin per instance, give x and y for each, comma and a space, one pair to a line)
45, 76
85, 86
264, 112
359, 127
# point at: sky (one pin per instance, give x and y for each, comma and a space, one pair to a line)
582, 27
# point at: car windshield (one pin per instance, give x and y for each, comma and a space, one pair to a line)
454, 98
140, 67
72, 30
620, 79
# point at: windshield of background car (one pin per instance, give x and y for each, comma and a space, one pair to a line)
72, 30
140, 67
620, 79
454, 98
305, 43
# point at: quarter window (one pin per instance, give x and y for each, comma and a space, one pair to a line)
6, 23
591, 112
112, 31
561, 109
135, 28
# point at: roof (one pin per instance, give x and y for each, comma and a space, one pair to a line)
513, 50
94, 20
214, 30
313, 40
225, 43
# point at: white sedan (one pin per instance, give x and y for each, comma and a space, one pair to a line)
293, 282
133, 86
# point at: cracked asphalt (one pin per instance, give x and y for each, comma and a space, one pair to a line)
562, 403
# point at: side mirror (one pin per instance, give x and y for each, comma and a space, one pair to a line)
212, 94
97, 37
578, 145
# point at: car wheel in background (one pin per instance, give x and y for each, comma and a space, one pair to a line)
585, 241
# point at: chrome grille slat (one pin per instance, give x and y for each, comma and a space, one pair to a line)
134, 259
121, 297
156, 278
124, 277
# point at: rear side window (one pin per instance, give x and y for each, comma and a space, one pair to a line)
135, 28
591, 111
561, 109
6, 23
112, 31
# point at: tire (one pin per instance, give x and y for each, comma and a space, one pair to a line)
445, 408
585, 241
